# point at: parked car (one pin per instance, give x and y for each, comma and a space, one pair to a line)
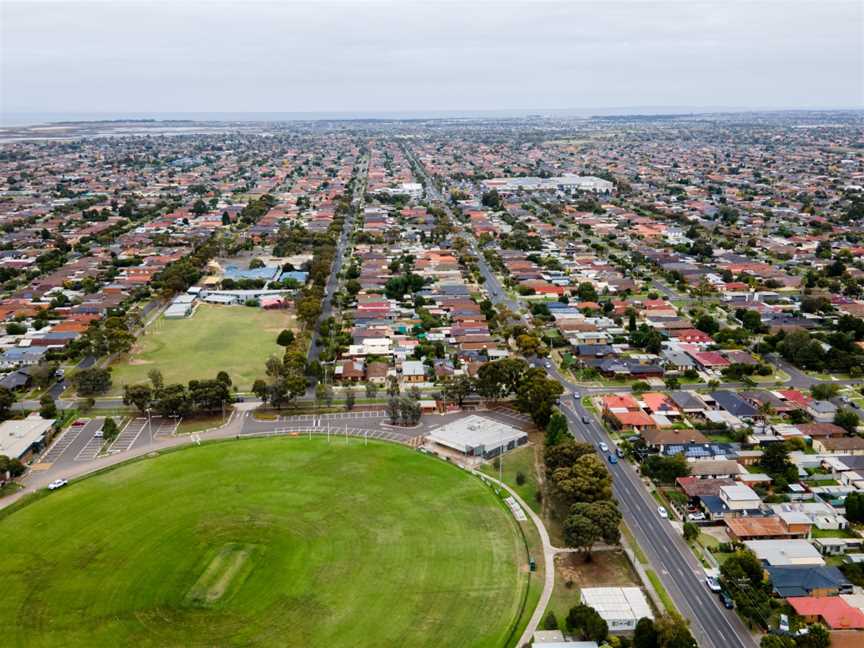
727, 601
547, 364
57, 483
619, 452
662, 512
79, 422
98, 434
713, 584
698, 516
604, 447
613, 459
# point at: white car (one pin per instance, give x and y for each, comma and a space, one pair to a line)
712, 584
604, 447
662, 512
548, 364
576, 395
57, 483
696, 517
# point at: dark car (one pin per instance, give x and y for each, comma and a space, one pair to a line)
727, 601
613, 459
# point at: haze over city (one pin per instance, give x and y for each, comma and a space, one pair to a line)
386, 58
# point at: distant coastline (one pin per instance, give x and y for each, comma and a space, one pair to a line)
29, 119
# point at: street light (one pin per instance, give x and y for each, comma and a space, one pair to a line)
150, 425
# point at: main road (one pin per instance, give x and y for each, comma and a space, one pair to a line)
677, 567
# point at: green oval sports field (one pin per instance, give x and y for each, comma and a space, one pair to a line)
265, 542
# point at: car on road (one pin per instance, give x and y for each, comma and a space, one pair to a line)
604, 447
698, 516
662, 512
713, 584
57, 483
586, 420
576, 395
727, 601
613, 459
547, 364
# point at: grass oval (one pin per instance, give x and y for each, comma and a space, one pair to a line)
266, 542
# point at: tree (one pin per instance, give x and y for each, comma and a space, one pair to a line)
457, 389
602, 518
155, 378
777, 641
586, 623
224, 378
371, 390
91, 381
775, 461
645, 636
586, 292
47, 407
13, 467
350, 399
580, 533
847, 419
536, 395
666, 469
564, 454
140, 395
324, 393
557, 429
285, 338
392, 409
172, 400
110, 429
7, 398
673, 632
672, 383
587, 480
824, 391
855, 507
530, 345
707, 324
500, 378
259, 388
550, 622
393, 386
691, 531
817, 637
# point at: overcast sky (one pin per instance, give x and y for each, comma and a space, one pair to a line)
425, 56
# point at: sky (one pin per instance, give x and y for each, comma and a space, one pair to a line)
384, 57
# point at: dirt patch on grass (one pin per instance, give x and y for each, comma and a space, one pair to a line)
606, 569
229, 566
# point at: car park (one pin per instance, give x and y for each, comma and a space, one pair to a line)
57, 483
662, 512
713, 584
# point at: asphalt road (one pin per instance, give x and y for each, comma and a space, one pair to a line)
675, 564
333, 280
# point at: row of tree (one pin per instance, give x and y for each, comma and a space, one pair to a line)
198, 397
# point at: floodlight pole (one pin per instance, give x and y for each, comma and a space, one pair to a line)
150, 425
